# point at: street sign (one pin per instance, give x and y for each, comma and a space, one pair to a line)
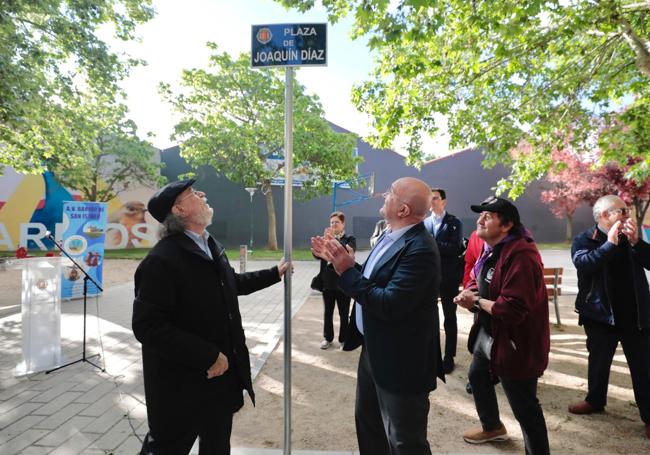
288, 45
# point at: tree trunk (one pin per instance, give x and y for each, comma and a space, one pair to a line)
569, 228
640, 209
272, 243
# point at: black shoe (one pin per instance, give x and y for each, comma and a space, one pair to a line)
468, 388
448, 365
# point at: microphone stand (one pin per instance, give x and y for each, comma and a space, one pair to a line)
86, 279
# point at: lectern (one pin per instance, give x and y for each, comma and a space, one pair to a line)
41, 313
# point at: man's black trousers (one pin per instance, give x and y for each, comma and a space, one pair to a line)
387, 423
602, 341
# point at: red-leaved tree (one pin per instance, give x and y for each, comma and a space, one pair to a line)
571, 181
624, 143
633, 192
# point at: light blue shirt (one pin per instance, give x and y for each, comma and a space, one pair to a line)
385, 242
201, 241
436, 222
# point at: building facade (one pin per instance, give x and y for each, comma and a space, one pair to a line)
460, 174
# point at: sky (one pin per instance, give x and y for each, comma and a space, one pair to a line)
175, 40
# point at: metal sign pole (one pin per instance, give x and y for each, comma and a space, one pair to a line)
282, 45
288, 236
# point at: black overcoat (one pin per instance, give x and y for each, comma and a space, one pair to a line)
185, 313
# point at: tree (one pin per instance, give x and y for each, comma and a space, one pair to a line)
115, 159
628, 134
630, 190
501, 73
48, 50
572, 182
233, 120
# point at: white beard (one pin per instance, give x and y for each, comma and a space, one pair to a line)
204, 218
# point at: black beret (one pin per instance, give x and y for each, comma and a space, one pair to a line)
161, 203
500, 206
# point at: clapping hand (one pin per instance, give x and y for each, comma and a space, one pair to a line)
630, 231
331, 250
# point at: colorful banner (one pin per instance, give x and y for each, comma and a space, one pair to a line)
83, 239
31, 205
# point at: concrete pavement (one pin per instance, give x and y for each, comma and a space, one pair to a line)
80, 409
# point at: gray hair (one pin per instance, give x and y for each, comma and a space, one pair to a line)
604, 203
172, 225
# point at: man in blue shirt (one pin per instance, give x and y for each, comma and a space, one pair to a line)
448, 232
395, 320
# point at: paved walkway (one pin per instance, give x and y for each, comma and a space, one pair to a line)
81, 410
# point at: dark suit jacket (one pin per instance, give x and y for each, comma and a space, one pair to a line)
185, 313
450, 244
400, 316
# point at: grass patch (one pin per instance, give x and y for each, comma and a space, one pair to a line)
131, 253
302, 254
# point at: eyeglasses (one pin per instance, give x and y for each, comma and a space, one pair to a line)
390, 192
625, 211
193, 192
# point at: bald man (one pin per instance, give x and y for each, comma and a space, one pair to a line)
395, 320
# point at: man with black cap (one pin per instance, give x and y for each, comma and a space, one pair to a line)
186, 315
510, 337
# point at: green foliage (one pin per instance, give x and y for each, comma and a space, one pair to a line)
48, 50
232, 119
113, 160
628, 135
501, 72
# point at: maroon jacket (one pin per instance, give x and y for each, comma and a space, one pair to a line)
520, 326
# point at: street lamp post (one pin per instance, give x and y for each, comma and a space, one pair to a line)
251, 192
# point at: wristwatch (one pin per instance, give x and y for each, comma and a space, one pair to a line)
477, 305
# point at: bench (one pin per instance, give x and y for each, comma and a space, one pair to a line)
553, 281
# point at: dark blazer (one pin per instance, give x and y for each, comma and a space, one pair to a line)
450, 244
328, 274
400, 316
185, 313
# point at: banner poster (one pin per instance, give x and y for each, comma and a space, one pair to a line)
31, 205
83, 239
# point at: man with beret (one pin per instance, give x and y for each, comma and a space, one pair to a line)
186, 316
510, 337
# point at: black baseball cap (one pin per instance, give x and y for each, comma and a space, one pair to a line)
500, 206
161, 203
